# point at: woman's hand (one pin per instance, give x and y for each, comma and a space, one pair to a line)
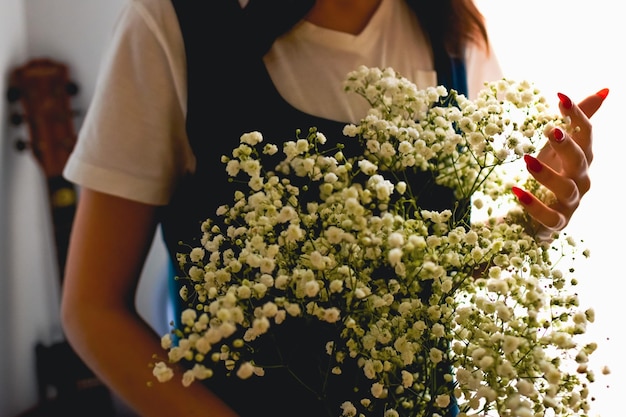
562, 166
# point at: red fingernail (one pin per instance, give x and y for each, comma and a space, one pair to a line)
522, 195
558, 135
532, 163
565, 101
603, 93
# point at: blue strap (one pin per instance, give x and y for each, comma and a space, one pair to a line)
459, 76
452, 74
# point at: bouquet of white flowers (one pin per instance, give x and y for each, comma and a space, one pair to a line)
432, 307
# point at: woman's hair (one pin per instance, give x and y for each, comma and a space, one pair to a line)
454, 23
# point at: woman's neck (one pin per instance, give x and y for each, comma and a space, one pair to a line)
349, 16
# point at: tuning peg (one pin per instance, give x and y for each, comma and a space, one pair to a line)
13, 94
16, 119
21, 145
72, 88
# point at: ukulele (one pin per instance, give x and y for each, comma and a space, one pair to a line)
41, 92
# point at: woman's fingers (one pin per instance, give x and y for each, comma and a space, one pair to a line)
565, 190
580, 126
549, 217
591, 104
563, 170
579, 118
562, 166
574, 166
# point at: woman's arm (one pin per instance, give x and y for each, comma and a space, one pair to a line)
110, 240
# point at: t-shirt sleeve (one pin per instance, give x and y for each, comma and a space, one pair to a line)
482, 66
132, 142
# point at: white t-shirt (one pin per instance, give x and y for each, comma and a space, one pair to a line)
133, 142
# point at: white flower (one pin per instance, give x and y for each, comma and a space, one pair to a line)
162, 372
166, 341
260, 325
334, 234
395, 256
196, 254
293, 310
233, 167
407, 379
281, 282
270, 149
442, 400
269, 309
189, 317
311, 288
378, 390
293, 233
195, 273
396, 239
251, 138
348, 409
203, 345
435, 355
438, 330
318, 261
259, 289
367, 167
188, 378
511, 343
526, 388
245, 371
343, 239
332, 315
244, 292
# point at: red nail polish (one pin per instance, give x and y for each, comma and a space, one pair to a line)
565, 101
558, 135
522, 195
603, 93
532, 163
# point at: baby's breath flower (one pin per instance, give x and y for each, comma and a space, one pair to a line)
251, 138
245, 371
349, 410
162, 372
328, 238
442, 400
378, 390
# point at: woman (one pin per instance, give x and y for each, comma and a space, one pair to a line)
175, 93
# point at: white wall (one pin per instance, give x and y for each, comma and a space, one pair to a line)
74, 32
12, 51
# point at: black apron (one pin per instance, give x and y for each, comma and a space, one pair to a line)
229, 93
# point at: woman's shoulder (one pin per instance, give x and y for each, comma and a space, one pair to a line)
158, 15
482, 66
152, 27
